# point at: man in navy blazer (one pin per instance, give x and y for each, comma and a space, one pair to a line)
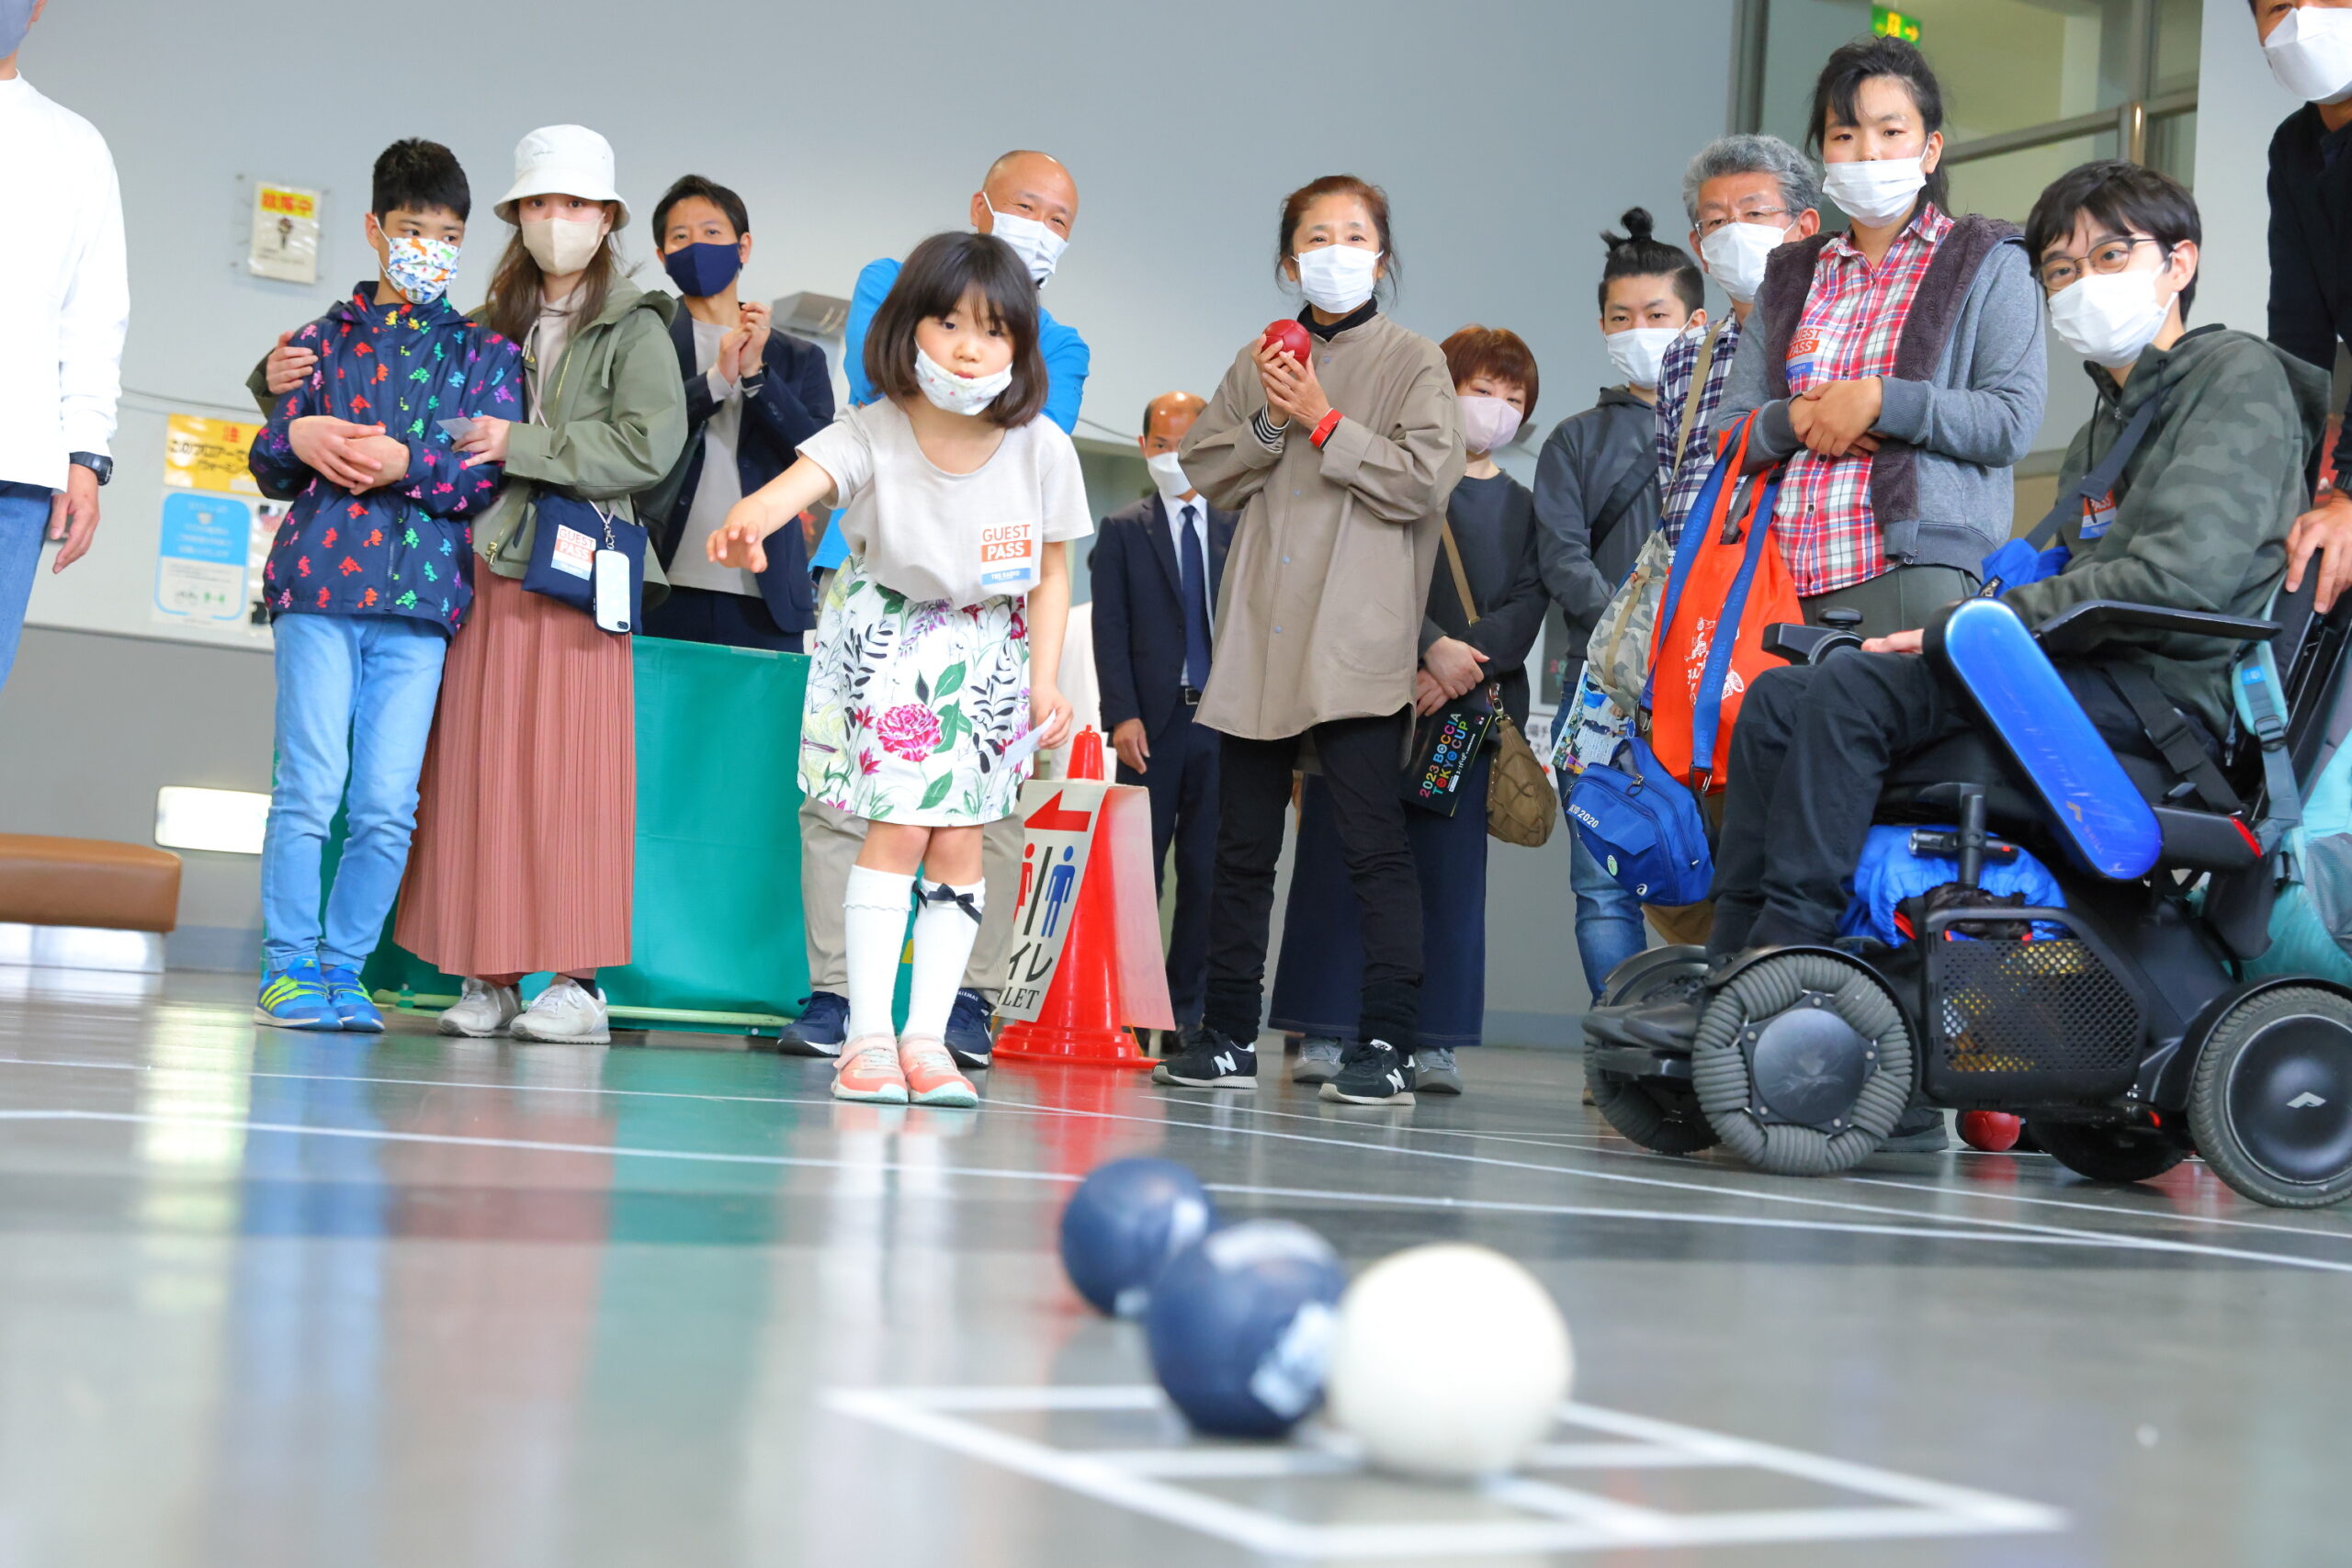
753, 395
1156, 569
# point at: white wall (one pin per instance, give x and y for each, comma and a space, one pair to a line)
2238, 106
1507, 136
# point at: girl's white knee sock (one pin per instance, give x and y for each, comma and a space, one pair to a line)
874, 928
946, 927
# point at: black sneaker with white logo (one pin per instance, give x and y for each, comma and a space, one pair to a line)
1371, 1072
1210, 1061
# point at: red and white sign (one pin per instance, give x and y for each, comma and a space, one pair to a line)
1072, 826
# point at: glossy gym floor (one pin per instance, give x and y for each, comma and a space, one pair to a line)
268, 1299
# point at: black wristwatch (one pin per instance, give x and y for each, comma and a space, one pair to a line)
102, 467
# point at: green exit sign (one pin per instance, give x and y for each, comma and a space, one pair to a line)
1887, 22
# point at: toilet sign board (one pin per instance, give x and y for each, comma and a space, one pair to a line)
1058, 821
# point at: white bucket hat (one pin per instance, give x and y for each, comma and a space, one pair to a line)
563, 160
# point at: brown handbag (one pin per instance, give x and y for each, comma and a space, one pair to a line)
1521, 806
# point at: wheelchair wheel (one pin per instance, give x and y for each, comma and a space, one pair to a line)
1803, 1063
2107, 1153
1662, 1114
2271, 1104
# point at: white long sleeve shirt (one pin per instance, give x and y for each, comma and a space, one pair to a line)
64, 294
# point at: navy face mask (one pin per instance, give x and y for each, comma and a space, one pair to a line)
700, 271
16, 21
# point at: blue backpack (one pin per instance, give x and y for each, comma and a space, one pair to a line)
1891, 871
1643, 827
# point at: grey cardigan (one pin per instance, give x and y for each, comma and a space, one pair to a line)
1961, 410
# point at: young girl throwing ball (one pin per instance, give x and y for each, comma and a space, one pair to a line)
937, 644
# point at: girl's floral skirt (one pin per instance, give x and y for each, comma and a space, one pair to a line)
912, 705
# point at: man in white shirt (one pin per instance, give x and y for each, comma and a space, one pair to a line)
63, 300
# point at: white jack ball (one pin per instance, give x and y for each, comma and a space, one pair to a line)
1475, 1410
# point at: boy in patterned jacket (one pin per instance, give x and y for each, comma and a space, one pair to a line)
369, 576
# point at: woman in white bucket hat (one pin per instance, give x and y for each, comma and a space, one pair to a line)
526, 835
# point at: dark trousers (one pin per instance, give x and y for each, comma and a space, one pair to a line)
1813, 747
1181, 777
1315, 984
1362, 763
730, 620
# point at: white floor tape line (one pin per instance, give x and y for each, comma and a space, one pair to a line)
1559, 1518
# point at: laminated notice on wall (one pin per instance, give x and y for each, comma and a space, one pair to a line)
286, 233
210, 454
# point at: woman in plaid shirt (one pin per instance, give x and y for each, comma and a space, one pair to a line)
1898, 365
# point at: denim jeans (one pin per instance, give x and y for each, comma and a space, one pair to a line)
24, 518
1609, 918
356, 696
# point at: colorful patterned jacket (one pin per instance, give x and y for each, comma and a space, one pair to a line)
405, 548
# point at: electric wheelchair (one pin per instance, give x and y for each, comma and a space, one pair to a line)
2122, 1026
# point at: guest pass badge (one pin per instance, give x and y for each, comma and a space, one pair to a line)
2098, 516
574, 553
1009, 557
1807, 346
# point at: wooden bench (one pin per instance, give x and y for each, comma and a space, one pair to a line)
85, 903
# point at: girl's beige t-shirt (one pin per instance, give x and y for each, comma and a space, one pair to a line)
961, 537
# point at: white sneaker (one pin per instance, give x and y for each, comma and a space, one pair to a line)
566, 1013
482, 1013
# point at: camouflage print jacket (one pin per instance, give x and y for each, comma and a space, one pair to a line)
2201, 515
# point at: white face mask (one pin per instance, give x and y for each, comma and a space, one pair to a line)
1338, 278
560, 247
2311, 54
2110, 318
1736, 254
1039, 248
1168, 475
957, 394
1488, 423
1878, 190
1638, 351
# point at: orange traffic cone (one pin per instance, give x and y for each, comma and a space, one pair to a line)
1080, 1021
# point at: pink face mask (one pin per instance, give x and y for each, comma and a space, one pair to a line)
1487, 423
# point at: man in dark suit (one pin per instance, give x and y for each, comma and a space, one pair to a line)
1156, 569
753, 395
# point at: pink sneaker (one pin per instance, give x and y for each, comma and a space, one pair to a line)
931, 1075
869, 1071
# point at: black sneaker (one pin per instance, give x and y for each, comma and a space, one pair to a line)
1919, 1131
1209, 1060
968, 1040
1371, 1072
821, 1029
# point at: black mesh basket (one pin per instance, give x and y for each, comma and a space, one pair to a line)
2028, 1012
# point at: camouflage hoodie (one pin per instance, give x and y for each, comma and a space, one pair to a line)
2202, 510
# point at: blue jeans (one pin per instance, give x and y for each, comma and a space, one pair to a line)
24, 518
356, 696
1609, 918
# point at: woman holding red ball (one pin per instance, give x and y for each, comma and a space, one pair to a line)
1341, 460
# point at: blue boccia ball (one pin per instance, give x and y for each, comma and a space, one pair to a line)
1123, 1223
1241, 1326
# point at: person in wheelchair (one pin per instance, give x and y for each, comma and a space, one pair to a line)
2222, 426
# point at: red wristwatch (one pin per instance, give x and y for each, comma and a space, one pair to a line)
1323, 428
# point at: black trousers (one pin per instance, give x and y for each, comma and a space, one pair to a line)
1813, 747
1182, 774
730, 620
1362, 762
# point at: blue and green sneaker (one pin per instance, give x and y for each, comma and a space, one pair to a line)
350, 1001
295, 998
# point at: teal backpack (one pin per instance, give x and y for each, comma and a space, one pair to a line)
2306, 823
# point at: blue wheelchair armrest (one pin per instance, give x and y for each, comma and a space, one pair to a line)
2091, 621
2089, 802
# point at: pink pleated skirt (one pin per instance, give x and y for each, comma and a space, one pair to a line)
525, 856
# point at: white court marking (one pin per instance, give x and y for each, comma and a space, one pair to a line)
1558, 1517
1757, 1194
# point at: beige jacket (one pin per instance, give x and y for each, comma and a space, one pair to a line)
1321, 613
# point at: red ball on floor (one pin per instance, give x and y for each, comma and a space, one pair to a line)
1991, 1131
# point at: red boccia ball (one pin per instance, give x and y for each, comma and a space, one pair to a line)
1991, 1131
1288, 336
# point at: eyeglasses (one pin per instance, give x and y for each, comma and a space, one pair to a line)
2110, 254
1753, 215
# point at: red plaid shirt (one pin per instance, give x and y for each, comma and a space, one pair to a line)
1853, 319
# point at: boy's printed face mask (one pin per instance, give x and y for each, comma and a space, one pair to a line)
419, 267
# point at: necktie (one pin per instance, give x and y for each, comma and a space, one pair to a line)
1192, 570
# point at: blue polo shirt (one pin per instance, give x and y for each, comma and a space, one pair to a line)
1066, 366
